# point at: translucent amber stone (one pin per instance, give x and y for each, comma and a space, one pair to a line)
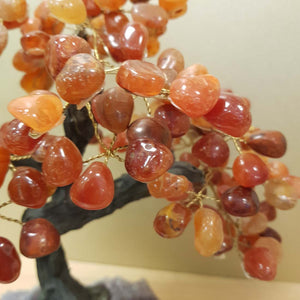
245, 242
38, 238
152, 16
240, 201
277, 169
249, 170
13, 10
177, 122
260, 263
62, 163
168, 185
171, 59
141, 78
92, 9
170, 75
268, 143
16, 138
34, 42
193, 70
68, 11
190, 158
230, 114
254, 224
195, 96
268, 210
149, 128
270, 232
27, 63
50, 24
3, 37
113, 109
115, 21
146, 160
4, 162
208, 231
80, 69
94, 189
32, 24
152, 46
36, 80
110, 4
212, 150
174, 8
40, 112
272, 244
10, 261
294, 181
27, 188
280, 193
229, 234
171, 220
42, 147
60, 48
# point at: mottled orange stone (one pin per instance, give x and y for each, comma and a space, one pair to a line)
50, 24
277, 169
195, 96
168, 185
60, 48
260, 263
81, 77
62, 163
249, 170
254, 225
36, 80
193, 70
245, 242
110, 4
3, 37
171, 59
27, 63
208, 231
146, 160
34, 42
68, 11
92, 9
42, 147
175, 8
94, 188
171, 221
115, 21
10, 261
13, 10
190, 158
113, 109
38, 238
140, 78
40, 112
28, 188
4, 162
272, 244
268, 210
32, 24
152, 46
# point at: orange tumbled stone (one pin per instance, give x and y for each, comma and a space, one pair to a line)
174, 8
140, 78
13, 10
37, 80
4, 162
38, 238
81, 77
110, 4
254, 225
209, 234
195, 96
27, 63
34, 42
94, 188
92, 9
277, 169
171, 59
68, 11
62, 163
3, 37
193, 70
272, 244
39, 112
32, 24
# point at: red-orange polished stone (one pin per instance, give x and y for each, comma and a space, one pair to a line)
175, 8
171, 59
62, 163
115, 21
193, 70
140, 78
109, 5
81, 77
10, 261
60, 48
13, 10
34, 42
4, 162
277, 169
38, 238
190, 158
260, 263
32, 24
28, 188
146, 160
196, 95
113, 108
249, 170
268, 210
27, 63
42, 147
92, 9
94, 188
37, 80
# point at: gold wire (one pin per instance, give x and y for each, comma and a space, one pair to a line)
147, 106
12, 167
93, 157
17, 158
11, 220
5, 204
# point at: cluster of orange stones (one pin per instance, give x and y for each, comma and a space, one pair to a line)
182, 103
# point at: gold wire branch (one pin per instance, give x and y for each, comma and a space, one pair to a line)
11, 220
17, 158
5, 204
12, 167
147, 106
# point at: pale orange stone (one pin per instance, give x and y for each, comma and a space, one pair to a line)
193, 70
39, 112
13, 10
255, 224
110, 4
272, 244
68, 11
